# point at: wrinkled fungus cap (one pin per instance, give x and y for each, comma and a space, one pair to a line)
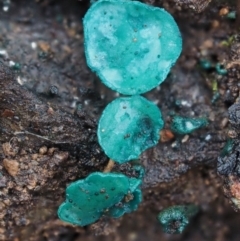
88, 199
130, 45
128, 126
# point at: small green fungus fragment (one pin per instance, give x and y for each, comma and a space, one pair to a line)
232, 15
227, 148
183, 125
128, 126
130, 45
42, 55
205, 64
175, 219
215, 97
90, 198
220, 69
16, 66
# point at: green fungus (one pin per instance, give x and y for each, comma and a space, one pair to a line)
220, 69
130, 45
42, 55
175, 219
128, 126
216, 94
130, 202
232, 15
205, 64
184, 125
90, 198
227, 148
15, 66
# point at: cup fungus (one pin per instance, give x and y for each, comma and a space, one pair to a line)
184, 125
98, 194
128, 126
175, 219
130, 45
220, 69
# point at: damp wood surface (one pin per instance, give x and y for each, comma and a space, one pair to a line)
50, 104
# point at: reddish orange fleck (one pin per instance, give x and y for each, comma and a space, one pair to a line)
166, 135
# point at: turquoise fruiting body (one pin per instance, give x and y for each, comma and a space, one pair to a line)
88, 199
205, 64
128, 126
227, 148
130, 202
183, 125
175, 219
130, 45
220, 69
232, 15
16, 66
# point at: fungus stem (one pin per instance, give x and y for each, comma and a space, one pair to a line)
109, 166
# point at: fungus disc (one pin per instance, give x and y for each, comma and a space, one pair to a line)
130, 45
128, 126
